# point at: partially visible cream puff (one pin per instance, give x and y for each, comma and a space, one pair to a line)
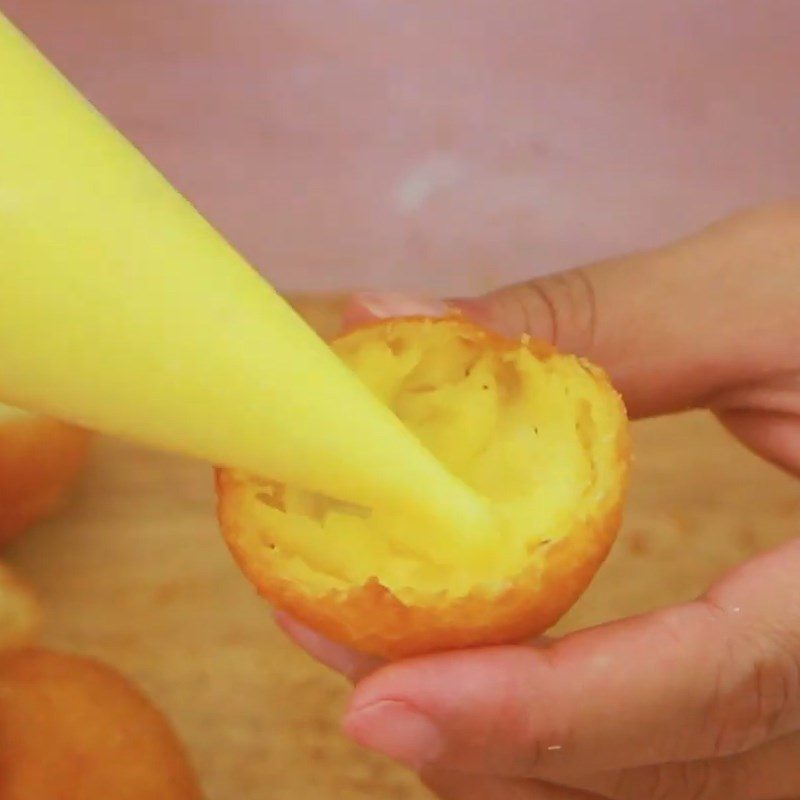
40, 460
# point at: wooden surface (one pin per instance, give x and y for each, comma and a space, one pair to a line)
135, 572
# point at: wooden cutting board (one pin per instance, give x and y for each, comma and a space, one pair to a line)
134, 572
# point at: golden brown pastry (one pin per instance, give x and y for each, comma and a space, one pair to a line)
543, 437
40, 460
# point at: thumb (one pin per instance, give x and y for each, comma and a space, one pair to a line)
711, 678
676, 326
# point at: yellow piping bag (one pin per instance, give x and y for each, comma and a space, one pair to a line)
121, 309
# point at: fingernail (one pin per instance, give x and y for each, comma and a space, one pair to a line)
392, 304
476, 309
397, 730
331, 654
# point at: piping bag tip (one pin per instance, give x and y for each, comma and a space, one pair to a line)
124, 311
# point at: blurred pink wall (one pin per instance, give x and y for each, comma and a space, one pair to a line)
443, 144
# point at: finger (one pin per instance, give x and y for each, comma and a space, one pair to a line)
460, 786
341, 659
673, 326
770, 772
706, 679
775, 436
344, 660
322, 311
367, 307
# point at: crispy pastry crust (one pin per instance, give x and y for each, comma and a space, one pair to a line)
372, 619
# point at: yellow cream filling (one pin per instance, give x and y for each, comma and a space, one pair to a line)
536, 437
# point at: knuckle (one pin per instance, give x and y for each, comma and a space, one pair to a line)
443, 783
756, 695
699, 780
567, 301
524, 738
525, 742
691, 780
537, 310
580, 307
633, 784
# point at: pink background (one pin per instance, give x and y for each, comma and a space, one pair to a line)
443, 144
